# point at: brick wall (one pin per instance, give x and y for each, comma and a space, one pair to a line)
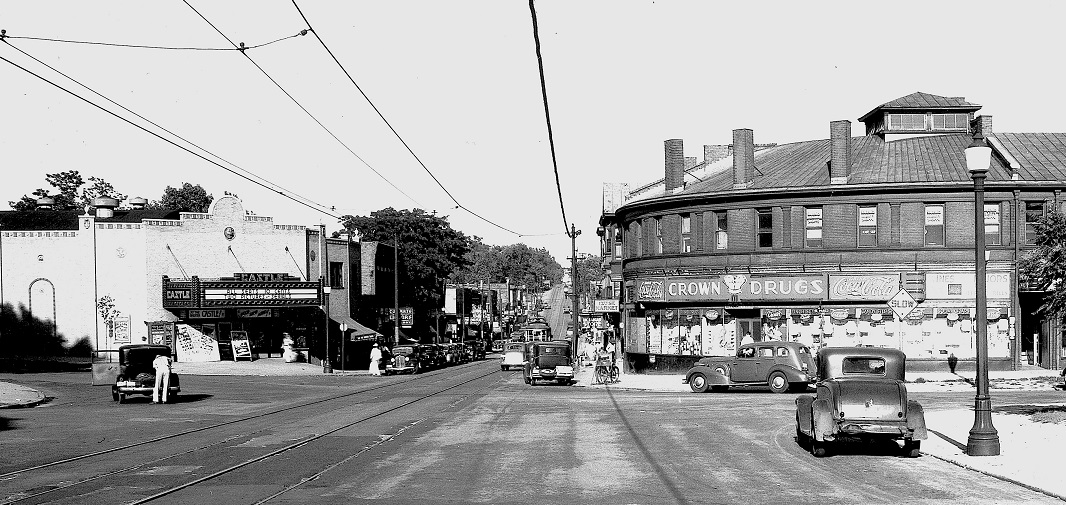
671, 234
912, 225
839, 226
742, 230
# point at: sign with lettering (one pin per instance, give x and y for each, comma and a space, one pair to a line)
241, 347
262, 277
902, 303
863, 287
737, 287
407, 317
255, 313
605, 305
650, 290
207, 313
202, 294
122, 329
962, 285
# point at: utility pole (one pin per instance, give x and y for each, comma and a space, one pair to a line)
573, 282
396, 287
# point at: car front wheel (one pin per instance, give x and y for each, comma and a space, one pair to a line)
778, 382
698, 382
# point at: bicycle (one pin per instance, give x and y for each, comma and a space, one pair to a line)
606, 371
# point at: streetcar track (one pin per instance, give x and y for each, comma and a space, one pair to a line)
18, 498
295, 446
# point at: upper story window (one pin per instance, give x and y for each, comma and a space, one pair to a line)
336, 274
1034, 212
765, 227
867, 226
992, 228
658, 235
950, 121
906, 122
721, 230
640, 238
618, 237
813, 236
686, 233
934, 224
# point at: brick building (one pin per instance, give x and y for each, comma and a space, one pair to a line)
808, 241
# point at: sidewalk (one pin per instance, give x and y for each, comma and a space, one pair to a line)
1031, 440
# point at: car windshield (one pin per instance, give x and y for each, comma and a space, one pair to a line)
403, 350
860, 365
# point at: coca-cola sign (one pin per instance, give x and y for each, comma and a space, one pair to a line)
863, 287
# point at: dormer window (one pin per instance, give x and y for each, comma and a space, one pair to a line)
925, 122
911, 122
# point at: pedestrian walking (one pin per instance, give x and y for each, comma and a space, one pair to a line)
375, 360
161, 364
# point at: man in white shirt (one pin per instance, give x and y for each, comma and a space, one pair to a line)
161, 364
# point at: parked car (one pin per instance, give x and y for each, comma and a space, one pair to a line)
405, 359
427, 357
513, 356
549, 361
783, 366
861, 395
136, 375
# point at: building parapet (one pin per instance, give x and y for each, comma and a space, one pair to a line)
54, 234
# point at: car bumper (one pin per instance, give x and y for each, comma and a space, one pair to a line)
552, 373
143, 390
401, 369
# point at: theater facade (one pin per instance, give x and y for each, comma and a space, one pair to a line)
852, 240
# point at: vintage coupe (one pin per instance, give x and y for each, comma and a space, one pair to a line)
136, 375
861, 395
548, 361
784, 366
513, 356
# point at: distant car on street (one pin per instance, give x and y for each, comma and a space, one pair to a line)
513, 356
404, 359
862, 395
783, 366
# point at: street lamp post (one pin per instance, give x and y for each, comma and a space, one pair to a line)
326, 366
983, 439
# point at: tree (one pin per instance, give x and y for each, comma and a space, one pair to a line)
1044, 268
66, 194
429, 250
187, 198
100, 188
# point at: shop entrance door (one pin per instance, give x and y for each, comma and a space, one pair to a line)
749, 325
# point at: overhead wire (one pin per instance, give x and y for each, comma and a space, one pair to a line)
394, 132
298, 104
547, 118
267, 183
142, 46
157, 135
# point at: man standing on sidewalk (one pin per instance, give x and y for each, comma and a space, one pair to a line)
161, 364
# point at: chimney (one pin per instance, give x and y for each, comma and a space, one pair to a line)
840, 146
981, 124
675, 164
712, 154
743, 158
45, 203
138, 203
104, 206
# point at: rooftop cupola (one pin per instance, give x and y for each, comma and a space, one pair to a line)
920, 114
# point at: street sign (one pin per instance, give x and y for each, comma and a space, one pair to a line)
344, 326
902, 303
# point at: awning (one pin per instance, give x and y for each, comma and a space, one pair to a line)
356, 330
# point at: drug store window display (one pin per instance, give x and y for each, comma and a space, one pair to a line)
690, 332
840, 328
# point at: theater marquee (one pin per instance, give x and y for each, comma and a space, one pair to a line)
241, 290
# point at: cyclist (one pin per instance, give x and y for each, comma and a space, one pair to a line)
605, 371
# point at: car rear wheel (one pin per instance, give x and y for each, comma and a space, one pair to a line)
121, 398
698, 382
912, 448
778, 382
818, 449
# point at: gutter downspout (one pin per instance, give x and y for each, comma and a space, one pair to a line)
1016, 301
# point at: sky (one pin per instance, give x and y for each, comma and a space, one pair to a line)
458, 81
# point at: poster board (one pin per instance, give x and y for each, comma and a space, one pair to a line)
241, 347
194, 345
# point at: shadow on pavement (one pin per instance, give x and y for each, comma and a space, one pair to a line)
181, 398
6, 424
949, 440
861, 448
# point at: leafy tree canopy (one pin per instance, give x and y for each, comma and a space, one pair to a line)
1044, 268
66, 186
429, 250
518, 264
187, 198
